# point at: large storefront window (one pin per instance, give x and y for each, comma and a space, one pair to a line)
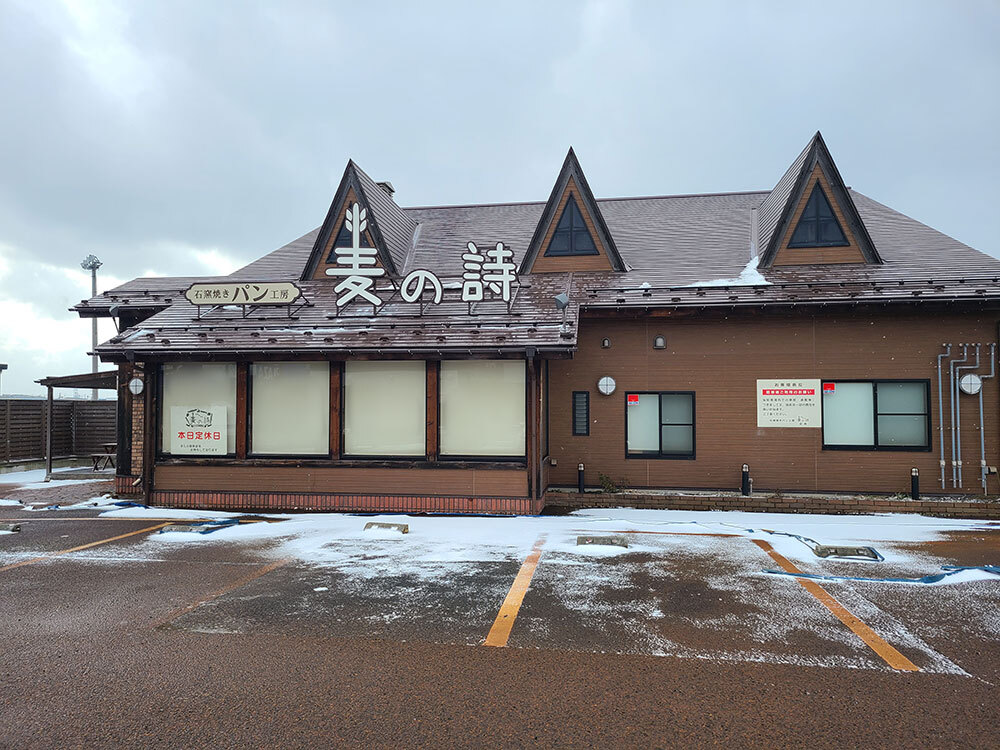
385, 409
482, 408
876, 415
198, 409
659, 425
290, 408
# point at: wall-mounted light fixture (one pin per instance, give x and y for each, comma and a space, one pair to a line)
606, 385
659, 342
605, 343
135, 386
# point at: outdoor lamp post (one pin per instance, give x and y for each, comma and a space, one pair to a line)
91, 263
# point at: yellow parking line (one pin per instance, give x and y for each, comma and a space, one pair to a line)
873, 640
502, 626
215, 595
82, 546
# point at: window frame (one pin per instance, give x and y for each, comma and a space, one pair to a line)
660, 454
366, 457
876, 446
251, 454
818, 242
522, 459
586, 397
572, 252
160, 454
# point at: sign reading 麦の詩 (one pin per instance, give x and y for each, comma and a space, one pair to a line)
198, 431
789, 403
243, 293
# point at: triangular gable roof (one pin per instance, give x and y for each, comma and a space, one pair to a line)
571, 178
387, 223
779, 208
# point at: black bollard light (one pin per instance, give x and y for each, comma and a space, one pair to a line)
915, 483
745, 481
579, 478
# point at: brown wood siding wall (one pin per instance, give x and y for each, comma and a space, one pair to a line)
321, 264
720, 359
344, 480
549, 264
800, 256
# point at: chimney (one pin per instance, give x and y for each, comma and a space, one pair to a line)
387, 187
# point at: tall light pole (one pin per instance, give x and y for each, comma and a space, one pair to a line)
91, 263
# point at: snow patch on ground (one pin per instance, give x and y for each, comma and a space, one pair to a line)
749, 276
9, 503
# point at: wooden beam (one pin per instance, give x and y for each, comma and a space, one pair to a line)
335, 399
242, 408
433, 409
48, 433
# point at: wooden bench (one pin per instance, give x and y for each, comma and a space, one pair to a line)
103, 460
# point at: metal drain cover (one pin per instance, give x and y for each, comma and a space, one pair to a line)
604, 541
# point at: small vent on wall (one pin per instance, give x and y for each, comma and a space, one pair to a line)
581, 413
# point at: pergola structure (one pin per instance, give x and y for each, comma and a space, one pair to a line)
107, 380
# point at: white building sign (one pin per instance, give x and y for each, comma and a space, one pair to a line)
246, 293
492, 271
789, 403
198, 430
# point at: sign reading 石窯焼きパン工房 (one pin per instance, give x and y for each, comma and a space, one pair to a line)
243, 293
198, 430
789, 403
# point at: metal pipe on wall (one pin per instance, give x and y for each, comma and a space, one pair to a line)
958, 408
982, 429
951, 395
941, 409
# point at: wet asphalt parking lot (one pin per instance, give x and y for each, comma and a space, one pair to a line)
312, 631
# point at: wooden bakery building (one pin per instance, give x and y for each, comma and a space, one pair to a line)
471, 358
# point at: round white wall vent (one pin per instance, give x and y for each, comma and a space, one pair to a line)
970, 383
606, 385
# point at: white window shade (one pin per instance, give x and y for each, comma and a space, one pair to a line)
290, 412
196, 385
643, 423
385, 408
848, 415
482, 408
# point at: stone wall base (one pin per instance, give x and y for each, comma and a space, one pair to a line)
771, 503
269, 502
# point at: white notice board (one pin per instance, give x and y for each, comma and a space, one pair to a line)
789, 403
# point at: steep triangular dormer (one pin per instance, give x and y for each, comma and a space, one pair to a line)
571, 234
336, 231
810, 218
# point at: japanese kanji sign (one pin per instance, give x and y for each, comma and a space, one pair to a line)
491, 271
198, 430
247, 293
788, 403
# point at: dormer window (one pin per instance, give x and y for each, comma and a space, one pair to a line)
571, 236
818, 226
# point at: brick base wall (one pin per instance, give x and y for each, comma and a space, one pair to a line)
764, 503
288, 501
124, 485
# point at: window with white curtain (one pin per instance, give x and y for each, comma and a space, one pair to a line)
385, 408
876, 415
290, 408
197, 386
483, 408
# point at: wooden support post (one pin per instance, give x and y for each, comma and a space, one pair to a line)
433, 409
242, 407
48, 434
336, 368
150, 425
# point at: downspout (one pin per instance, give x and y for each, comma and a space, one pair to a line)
982, 427
958, 407
941, 409
951, 393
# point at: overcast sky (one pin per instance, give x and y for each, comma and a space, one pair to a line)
180, 138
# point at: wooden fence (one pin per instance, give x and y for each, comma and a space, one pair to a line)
79, 428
